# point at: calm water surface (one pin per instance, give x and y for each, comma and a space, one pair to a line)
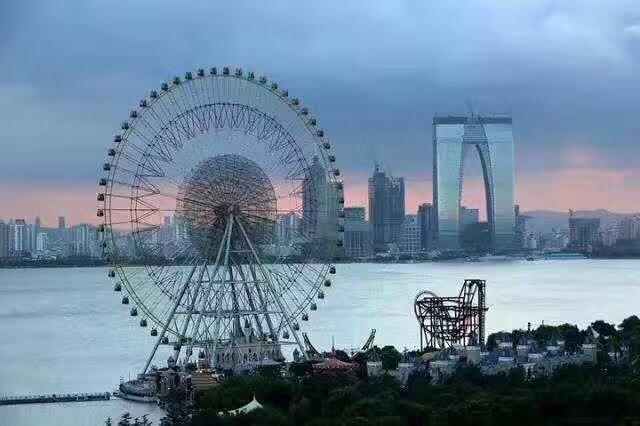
64, 330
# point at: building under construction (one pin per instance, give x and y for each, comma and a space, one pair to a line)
456, 320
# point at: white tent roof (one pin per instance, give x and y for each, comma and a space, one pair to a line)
252, 405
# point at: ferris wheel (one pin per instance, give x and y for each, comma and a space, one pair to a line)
222, 214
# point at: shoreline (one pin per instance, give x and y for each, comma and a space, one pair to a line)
100, 264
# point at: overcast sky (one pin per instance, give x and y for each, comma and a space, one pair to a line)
567, 71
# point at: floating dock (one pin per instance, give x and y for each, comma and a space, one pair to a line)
44, 399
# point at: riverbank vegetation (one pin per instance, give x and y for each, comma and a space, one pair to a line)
605, 392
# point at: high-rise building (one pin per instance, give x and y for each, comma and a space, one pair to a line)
37, 227
410, 243
287, 228
357, 233
386, 209
62, 230
354, 213
492, 138
629, 228
320, 205
584, 233
468, 217
4, 240
521, 228
166, 235
18, 236
427, 222
82, 240
42, 242
610, 234
29, 244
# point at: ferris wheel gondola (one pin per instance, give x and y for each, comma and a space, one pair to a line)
222, 210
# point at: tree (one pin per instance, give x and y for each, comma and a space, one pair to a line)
630, 334
125, 420
300, 369
390, 358
342, 356
544, 333
572, 336
603, 328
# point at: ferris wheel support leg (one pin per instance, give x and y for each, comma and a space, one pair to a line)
224, 240
168, 321
216, 327
272, 289
252, 304
263, 303
176, 352
193, 303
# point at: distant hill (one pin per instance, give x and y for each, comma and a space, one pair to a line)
544, 220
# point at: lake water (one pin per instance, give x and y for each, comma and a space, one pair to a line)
64, 330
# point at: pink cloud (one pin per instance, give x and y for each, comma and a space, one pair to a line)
577, 187
76, 202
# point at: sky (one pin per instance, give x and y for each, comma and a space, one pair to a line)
374, 73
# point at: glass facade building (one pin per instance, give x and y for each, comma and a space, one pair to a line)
386, 209
492, 138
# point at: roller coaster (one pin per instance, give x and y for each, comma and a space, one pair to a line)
445, 321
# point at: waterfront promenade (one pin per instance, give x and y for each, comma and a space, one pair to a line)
52, 398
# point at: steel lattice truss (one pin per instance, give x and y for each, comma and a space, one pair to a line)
197, 180
445, 321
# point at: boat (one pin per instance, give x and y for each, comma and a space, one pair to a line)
141, 390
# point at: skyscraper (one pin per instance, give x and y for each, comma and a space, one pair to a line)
522, 236
320, 210
287, 225
629, 228
357, 233
42, 242
18, 236
427, 222
37, 226
82, 240
492, 138
4, 240
468, 217
62, 231
584, 233
386, 209
410, 243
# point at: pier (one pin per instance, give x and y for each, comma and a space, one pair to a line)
44, 399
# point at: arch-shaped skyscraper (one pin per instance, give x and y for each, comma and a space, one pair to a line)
492, 138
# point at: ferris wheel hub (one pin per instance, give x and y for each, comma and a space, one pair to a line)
213, 175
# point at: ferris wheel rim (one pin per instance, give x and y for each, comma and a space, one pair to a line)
166, 90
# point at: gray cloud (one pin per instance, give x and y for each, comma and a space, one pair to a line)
374, 72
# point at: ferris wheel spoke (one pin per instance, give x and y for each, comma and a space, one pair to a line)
216, 151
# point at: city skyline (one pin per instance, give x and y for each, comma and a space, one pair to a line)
82, 208
373, 97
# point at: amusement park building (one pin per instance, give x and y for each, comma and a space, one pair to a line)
492, 138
